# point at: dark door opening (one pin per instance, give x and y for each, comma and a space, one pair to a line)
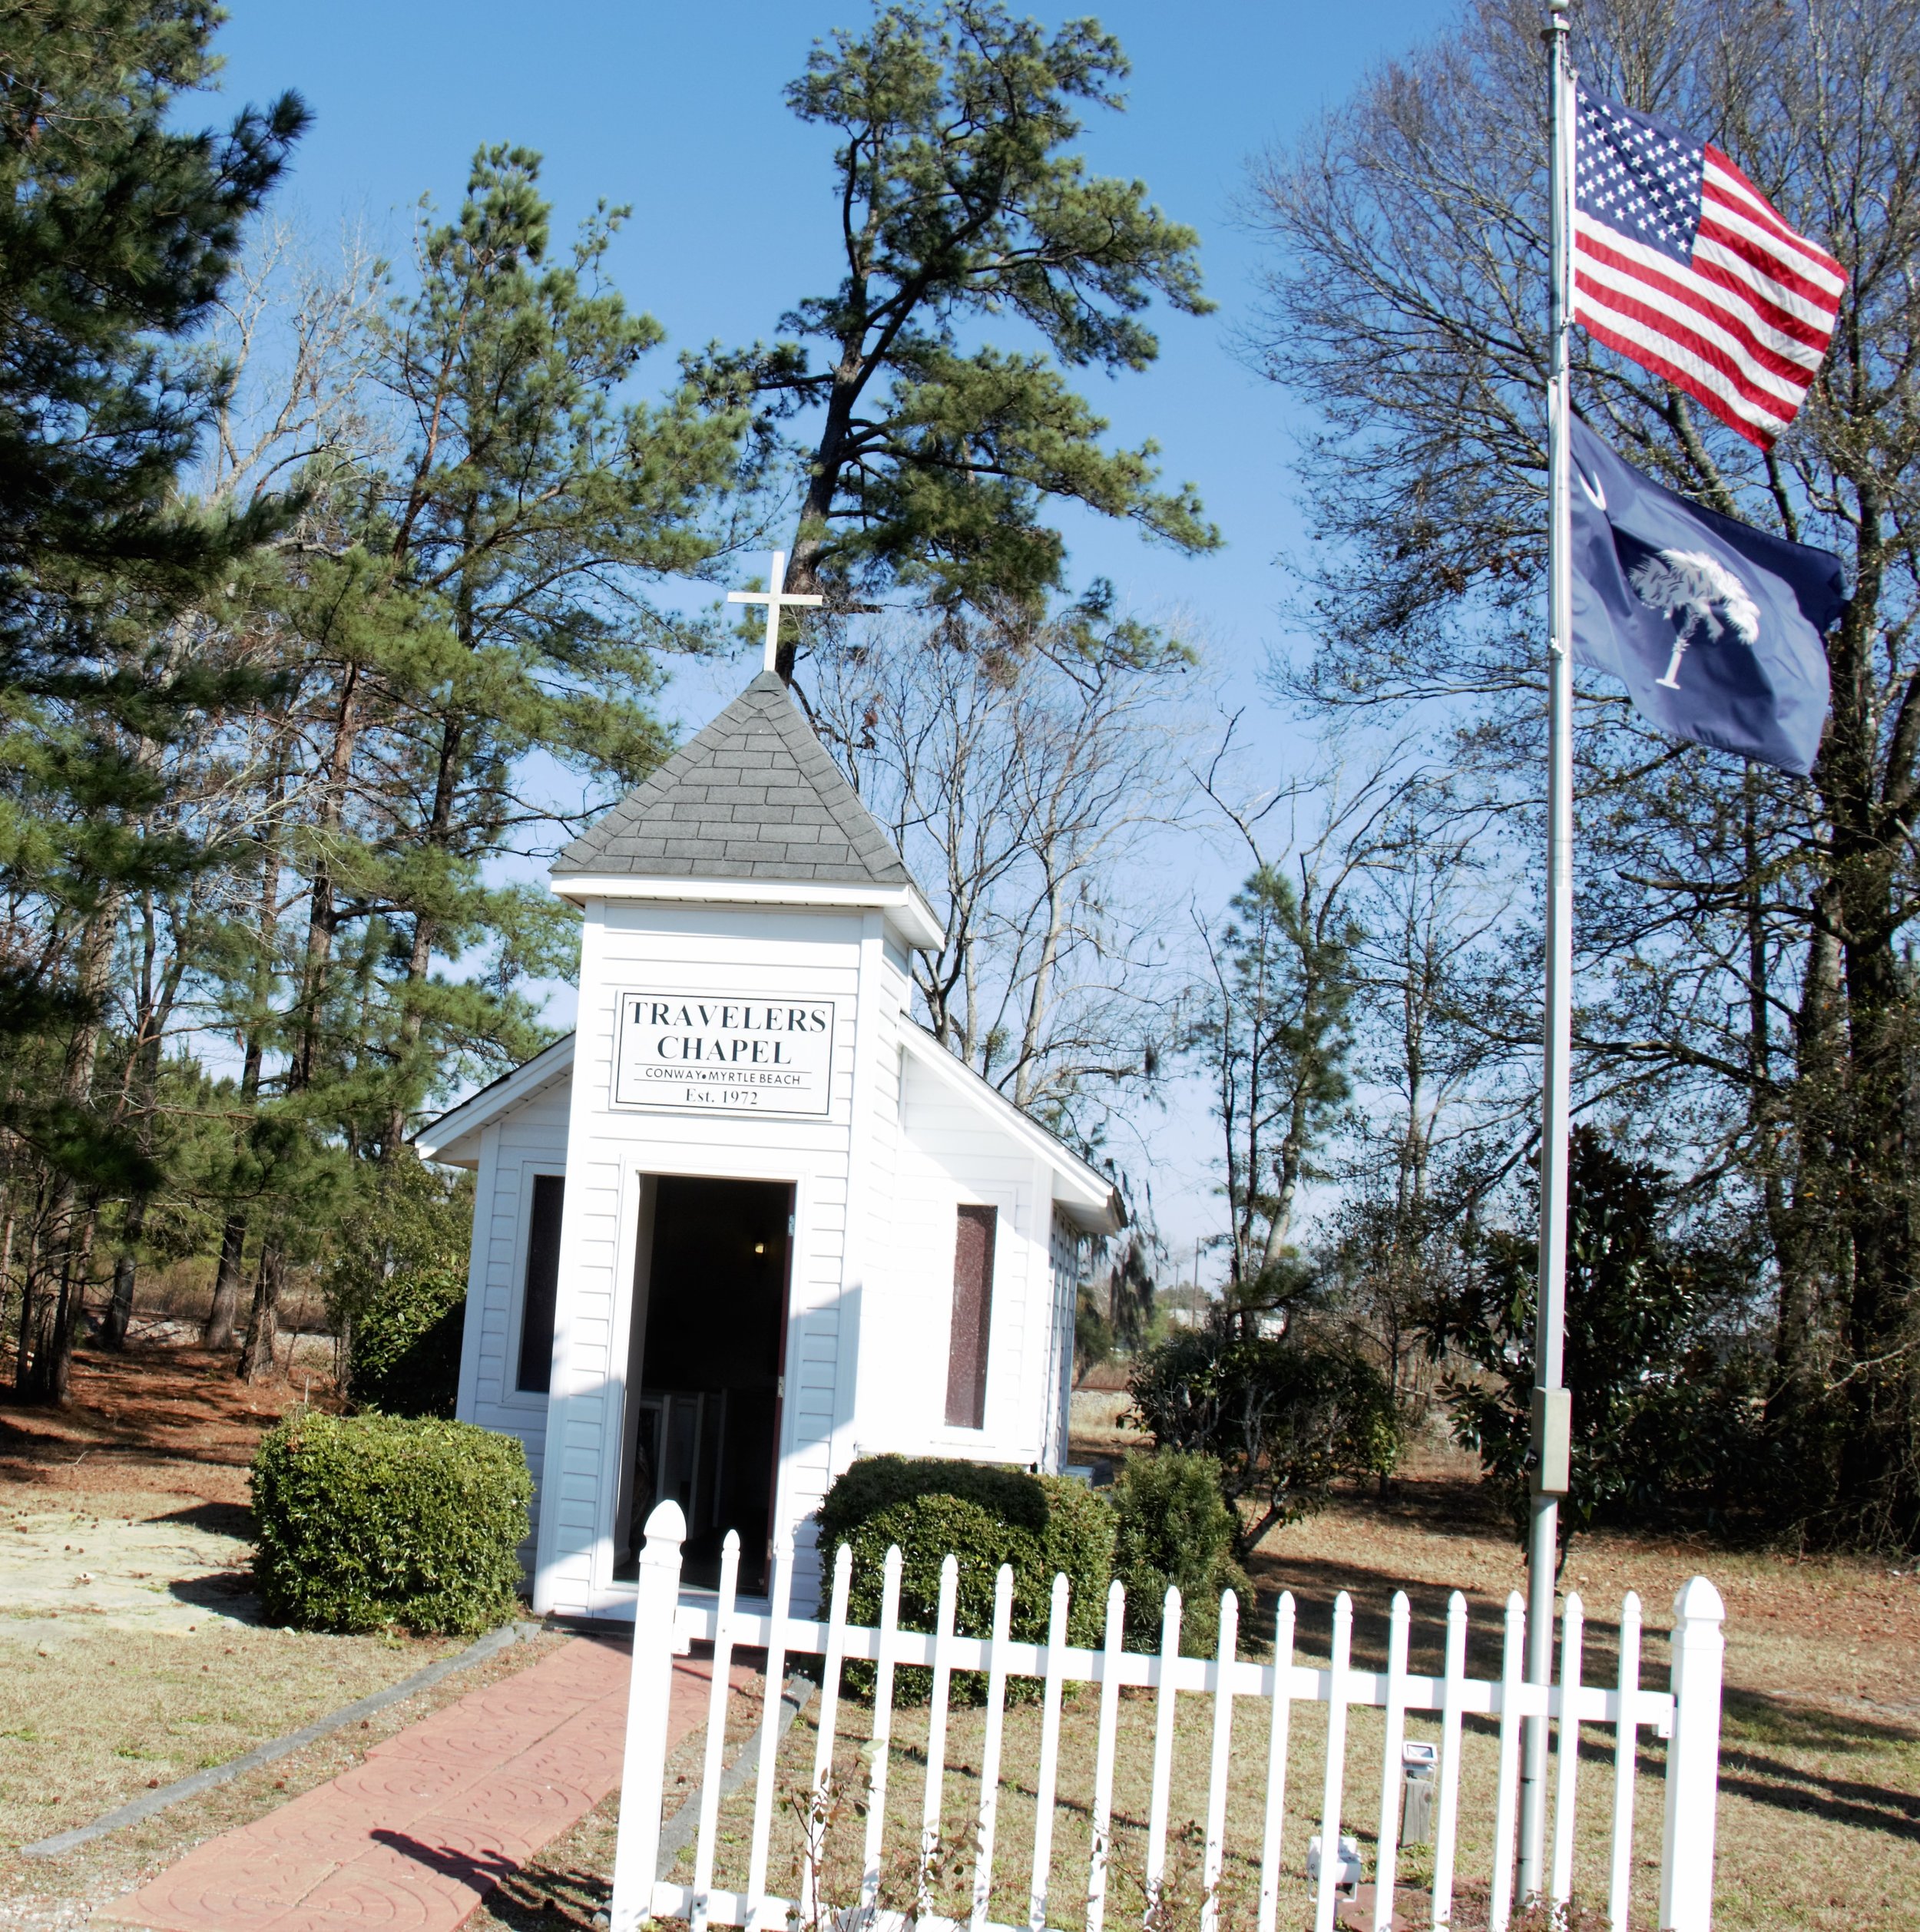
709, 1368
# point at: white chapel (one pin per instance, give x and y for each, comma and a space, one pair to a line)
752, 1221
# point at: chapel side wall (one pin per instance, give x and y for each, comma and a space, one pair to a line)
729, 951
1064, 1256
950, 1153
530, 1139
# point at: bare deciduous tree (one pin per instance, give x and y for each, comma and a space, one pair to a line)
1022, 769
1750, 954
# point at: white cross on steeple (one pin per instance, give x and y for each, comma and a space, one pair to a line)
776, 600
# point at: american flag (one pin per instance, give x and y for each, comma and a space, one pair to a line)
1680, 262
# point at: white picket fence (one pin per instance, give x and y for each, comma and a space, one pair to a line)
1688, 1715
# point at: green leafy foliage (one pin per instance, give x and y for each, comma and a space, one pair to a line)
1172, 1528
1093, 1333
1285, 1417
368, 1520
1275, 1033
118, 228
875, 1483
984, 1516
1666, 1416
406, 1343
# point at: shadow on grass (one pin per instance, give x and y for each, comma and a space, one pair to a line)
542, 1900
228, 1593
233, 1519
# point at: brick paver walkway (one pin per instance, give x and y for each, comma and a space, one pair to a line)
414, 1836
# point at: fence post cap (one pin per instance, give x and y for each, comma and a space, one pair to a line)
1698, 1602
666, 1524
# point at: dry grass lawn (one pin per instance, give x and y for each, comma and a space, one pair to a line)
132, 1653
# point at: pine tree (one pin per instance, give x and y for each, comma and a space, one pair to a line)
117, 232
932, 462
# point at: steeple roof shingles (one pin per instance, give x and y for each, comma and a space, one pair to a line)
753, 796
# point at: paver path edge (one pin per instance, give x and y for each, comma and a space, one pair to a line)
413, 1837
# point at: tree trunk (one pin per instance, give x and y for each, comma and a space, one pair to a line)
72, 1304
216, 1332
1879, 1471
120, 1309
68, 1246
425, 933
258, 1362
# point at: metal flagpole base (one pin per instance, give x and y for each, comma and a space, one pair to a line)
1542, 1560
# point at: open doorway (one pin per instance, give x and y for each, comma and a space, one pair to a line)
710, 1319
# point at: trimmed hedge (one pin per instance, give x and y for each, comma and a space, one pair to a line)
370, 1520
1173, 1526
406, 1343
876, 1483
985, 1516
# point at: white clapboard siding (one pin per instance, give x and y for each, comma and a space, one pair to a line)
952, 1152
1065, 1246
841, 1227
1234, 1689
530, 1139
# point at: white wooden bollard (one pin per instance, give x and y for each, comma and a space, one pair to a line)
1693, 1761
643, 1761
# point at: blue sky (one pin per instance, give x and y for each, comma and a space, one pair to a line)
678, 112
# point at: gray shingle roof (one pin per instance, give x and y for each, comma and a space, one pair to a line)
753, 796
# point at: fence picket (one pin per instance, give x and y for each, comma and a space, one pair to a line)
1386, 1863
1104, 1754
1572, 1630
1626, 1755
990, 1745
1159, 1805
650, 1694
717, 1697
936, 1736
1512, 1660
820, 1803
1696, 1653
882, 1740
1217, 1768
1279, 1724
1043, 1819
1337, 1693
780, 1603
1446, 1823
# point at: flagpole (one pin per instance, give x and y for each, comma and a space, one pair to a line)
1552, 1417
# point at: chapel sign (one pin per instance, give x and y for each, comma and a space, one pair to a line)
701, 1054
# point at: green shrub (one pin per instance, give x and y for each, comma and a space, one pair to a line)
406, 1343
1286, 1416
1172, 1527
875, 1483
368, 1520
984, 1516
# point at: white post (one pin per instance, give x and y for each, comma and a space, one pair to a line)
1551, 1425
643, 1762
1693, 1761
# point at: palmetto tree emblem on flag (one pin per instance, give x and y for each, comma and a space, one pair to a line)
1697, 592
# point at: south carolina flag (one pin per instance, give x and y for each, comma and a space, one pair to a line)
1716, 628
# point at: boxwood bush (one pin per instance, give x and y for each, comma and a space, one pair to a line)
985, 1516
368, 1520
1174, 1527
